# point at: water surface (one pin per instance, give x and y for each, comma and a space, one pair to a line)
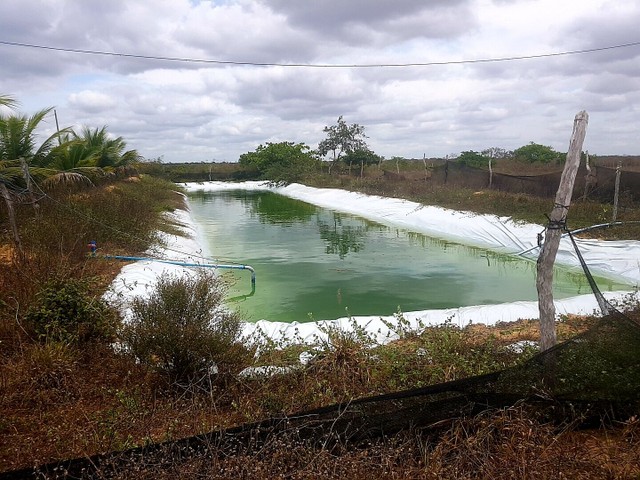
316, 264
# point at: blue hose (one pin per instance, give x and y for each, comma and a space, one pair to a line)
186, 264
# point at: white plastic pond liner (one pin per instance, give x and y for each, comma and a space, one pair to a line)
619, 260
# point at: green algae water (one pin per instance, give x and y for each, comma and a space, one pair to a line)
317, 264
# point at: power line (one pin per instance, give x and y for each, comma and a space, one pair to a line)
319, 65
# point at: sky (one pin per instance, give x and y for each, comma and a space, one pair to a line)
282, 70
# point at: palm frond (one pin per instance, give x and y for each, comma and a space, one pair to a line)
67, 178
8, 101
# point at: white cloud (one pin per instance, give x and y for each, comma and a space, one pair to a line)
198, 111
91, 101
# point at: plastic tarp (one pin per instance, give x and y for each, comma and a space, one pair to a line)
619, 260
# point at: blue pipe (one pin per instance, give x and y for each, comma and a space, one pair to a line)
186, 264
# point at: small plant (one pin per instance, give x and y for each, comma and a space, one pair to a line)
51, 365
629, 302
401, 327
65, 310
183, 330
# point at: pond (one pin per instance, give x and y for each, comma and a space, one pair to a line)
316, 264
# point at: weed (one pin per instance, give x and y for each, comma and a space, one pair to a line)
400, 327
65, 311
183, 330
51, 365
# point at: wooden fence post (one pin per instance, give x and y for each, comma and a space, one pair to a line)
588, 178
426, 170
616, 193
553, 232
490, 173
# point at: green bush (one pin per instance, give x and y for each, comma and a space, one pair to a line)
473, 159
183, 330
66, 310
283, 162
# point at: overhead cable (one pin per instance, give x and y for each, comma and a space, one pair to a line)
318, 65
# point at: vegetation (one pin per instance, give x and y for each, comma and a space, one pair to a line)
361, 157
183, 330
342, 140
63, 399
283, 162
473, 159
66, 311
65, 391
24, 160
534, 152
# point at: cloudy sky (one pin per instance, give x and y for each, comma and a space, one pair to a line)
222, 106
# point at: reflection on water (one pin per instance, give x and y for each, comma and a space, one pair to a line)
312, 261
273, 208
340, 238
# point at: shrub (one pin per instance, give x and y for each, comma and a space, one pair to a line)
473, 159
283, 162
183, 330
65, 310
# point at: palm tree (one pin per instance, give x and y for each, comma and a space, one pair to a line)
18, 150
18, 143
9, 173
111, 154
18, 139
72, 162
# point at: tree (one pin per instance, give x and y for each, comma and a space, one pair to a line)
18, 145
109, 152
497, 153
282, 162
341, 140
18, 138
535, 152
6, 176
473, 159
18, 150
72, 162
362, 157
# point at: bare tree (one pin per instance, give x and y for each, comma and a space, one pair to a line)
341, 140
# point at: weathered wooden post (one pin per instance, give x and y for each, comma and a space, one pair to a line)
590, 179
490, 173
426, 169
616, 193
553, 232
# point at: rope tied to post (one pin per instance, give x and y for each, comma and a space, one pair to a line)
560, 224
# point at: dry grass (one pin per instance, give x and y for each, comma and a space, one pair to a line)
510, 443
62, 400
